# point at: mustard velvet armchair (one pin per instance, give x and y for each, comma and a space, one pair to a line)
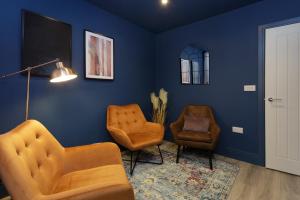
129, 128
34, 166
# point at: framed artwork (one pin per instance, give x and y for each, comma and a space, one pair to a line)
99, 56
44, 39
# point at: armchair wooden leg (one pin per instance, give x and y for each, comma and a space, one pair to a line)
178, 152
210, 160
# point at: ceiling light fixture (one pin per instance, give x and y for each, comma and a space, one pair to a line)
164, 2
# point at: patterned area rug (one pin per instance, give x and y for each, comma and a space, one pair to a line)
190, 179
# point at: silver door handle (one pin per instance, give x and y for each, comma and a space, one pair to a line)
274, 99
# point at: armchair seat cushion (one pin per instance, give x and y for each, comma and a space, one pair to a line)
109, 176
143, 139
195, 136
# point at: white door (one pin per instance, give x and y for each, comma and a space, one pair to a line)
282, 98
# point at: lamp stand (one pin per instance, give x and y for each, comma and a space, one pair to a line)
28, 70
27, 94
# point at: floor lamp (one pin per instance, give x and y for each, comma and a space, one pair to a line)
60, 74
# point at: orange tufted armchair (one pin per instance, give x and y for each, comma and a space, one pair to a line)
34, 166
129, 128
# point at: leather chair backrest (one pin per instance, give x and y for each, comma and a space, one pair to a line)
30, 158
201, 111
128, 118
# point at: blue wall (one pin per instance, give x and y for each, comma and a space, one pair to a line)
232, 40
75, 112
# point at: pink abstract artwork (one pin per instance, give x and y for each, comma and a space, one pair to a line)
98, 56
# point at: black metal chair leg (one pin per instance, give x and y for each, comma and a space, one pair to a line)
178, 151
135, 161
161, 157
131, 154
210, 160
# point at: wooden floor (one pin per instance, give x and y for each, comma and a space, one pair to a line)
258, 183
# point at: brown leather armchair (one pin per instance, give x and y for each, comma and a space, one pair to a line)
34, 166
202, 140
129, 128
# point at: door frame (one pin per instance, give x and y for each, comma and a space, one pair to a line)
261, 84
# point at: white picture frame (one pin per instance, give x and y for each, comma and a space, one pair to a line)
99, 56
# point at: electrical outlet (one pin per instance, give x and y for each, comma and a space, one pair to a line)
239, 130
249, 88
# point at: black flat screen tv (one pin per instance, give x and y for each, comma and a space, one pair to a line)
44, 39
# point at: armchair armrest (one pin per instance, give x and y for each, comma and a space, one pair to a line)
176, 127
215, 131
154, 127
119, 192
120, 136
89, 156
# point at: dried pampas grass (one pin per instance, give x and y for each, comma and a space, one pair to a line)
159, 105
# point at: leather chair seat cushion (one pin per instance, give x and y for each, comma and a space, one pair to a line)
141, 139
195, 136
109, 176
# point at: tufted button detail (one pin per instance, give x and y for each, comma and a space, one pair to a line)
26, 144
18, 152
31, 174
48, 154
135, 121
37, 136
39, 165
